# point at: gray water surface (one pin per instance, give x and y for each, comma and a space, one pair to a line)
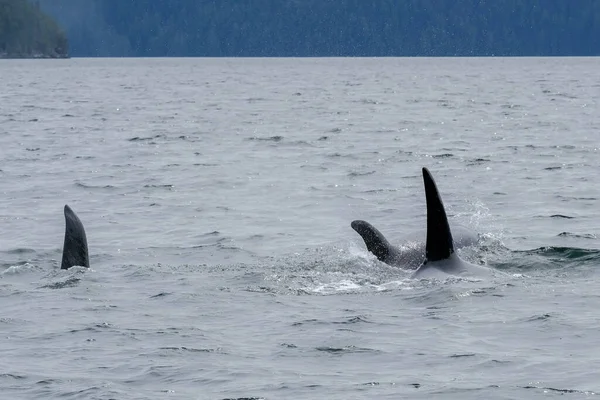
217, 195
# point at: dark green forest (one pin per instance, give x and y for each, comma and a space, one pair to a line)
26, 31
148, 28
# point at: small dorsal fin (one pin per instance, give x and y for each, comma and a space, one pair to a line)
440, 244
374, 240
75, 248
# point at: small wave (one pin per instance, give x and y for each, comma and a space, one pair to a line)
300, 143
353, 320
415, 385
463, 355
70, 282
276, 138
262, 289
12, 376
343, 286
244, 398
561, 216
348, 321
379, 190
356, 174
541, 317
579, 236
188, 349
568, 198
479, 161
566, 95
141, 139
568, 252
93, 328
586, 392
562, 254
345, 349
367, 101
20, 251
18, 268
161, 294
166, 186
87, 186
308, 321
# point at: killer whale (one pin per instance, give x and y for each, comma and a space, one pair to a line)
410, 255
75, 247
440, 255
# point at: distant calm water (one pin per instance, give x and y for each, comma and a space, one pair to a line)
217, 195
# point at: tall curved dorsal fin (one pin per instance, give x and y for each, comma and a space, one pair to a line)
75, 248
440, 244
374, 240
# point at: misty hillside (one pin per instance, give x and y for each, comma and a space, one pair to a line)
26, 31
329, 27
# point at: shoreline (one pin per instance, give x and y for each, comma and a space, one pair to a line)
5, 56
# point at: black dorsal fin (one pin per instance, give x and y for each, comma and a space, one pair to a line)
440, 244
374, 240
75, 248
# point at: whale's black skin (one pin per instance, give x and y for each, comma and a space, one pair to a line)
411, 253
439, 245
440, 256
75, 248
377, 243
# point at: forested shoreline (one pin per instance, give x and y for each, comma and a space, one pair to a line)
329, 28
28, 32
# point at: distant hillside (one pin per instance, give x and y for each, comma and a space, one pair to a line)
27, 32
147, 28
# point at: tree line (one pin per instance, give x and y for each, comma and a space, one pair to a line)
26, 31
148, 28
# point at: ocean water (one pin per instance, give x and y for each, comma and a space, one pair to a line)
217, 195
